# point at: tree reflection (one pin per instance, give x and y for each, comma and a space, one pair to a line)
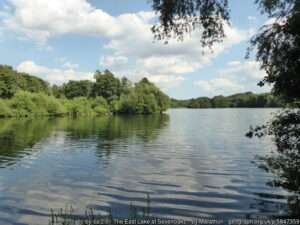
126, 129
114, 132
115, 127
17, 137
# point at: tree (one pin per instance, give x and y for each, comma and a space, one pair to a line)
57, 91
126, 85
11, 81
180, 17
82, 88
193, 103
107, 85
278, 46
220, 102
146, 88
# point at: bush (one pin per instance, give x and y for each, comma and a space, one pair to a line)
55, 107
127, 104
100, 106
100, 110
5, 111
22, 104
79, 106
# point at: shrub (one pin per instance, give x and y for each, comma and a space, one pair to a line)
22, 104
79, 106
5, 111
55, 107
101, 110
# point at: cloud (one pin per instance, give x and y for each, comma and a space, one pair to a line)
69, 65
251, 18
234, 63
53, 75
166, 81
41, 20
113, 61
248, 71
129, 40
219, 85
236, 77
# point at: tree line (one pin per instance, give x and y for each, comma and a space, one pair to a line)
241, 100
22, 95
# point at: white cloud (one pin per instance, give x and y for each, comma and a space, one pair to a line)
31, 68
41, 19
251, 18
236, 77
219, 86
69, 65
129, 37
166, 81
113, 61
248, 71
234, 63
53, 75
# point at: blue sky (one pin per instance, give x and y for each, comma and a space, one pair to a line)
62, 40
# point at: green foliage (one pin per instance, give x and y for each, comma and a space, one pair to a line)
79, 106
144, 98
220, 102
27, 104
86, 106
26, 95
100, 106
74, 89
178, 18
277, 47
126, 85
5, 111
127, 104
22, 105
107, 86
57, 91
12, 82
243, 100
55, 107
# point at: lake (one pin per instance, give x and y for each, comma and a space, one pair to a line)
193, 163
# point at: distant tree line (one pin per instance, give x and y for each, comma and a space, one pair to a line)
24, 95
241, 100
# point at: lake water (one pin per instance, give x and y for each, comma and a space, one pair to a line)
193, 163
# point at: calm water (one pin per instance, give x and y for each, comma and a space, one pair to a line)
192, 162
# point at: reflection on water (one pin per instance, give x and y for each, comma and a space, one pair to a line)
192, 162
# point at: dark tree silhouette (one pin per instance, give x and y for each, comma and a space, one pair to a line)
183, 16
278, 47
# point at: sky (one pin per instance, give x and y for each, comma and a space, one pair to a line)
71, 39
